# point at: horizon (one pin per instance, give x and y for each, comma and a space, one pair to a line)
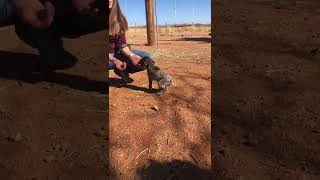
173, 25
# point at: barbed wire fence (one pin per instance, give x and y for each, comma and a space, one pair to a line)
169, 29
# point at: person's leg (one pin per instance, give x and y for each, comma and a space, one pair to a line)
7, 13
131, 68
124, 74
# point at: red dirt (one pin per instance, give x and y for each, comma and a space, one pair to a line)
266, 95
53, 126
174, 140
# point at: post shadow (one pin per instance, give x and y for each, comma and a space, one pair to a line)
24, 67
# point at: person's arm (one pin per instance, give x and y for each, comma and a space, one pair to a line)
133, 57
119, 64
33, 12
122, 43
112, 58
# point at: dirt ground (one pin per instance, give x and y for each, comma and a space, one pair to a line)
164, 136
266, 90
53, 125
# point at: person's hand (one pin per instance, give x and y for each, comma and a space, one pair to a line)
84, 7
34, 13
135, 60
120, 65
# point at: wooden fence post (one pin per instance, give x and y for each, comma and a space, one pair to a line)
151, 29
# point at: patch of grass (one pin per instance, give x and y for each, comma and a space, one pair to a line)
170, 30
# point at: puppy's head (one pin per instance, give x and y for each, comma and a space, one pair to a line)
146, 63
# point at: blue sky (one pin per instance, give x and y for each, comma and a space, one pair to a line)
135, 11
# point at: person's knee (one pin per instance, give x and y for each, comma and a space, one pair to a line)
111, 65
143, 54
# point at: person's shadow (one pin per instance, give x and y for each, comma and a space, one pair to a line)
115, 82
173, 170
24, 67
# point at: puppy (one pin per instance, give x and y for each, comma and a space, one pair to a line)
155, 74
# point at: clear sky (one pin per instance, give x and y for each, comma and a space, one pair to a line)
135, 11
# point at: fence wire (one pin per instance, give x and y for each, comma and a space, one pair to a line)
167, 31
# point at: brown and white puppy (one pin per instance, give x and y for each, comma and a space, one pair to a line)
155, 74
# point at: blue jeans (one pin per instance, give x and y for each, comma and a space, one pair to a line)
7, 13
127, 60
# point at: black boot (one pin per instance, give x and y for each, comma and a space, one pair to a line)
49, 44
125, 78
53, 54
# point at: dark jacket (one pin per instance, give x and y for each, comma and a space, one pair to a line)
116, 43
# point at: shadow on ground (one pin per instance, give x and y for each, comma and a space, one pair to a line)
115, 82
263, 85
175, 169
23, 67
198, 39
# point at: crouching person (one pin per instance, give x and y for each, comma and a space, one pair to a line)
125, 61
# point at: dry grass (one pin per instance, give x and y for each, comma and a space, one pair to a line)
175, 35
170, 30
139, 35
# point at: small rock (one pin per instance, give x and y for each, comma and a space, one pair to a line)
18, 137
155, 108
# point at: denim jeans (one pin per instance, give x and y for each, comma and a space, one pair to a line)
6, 12
130, 67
